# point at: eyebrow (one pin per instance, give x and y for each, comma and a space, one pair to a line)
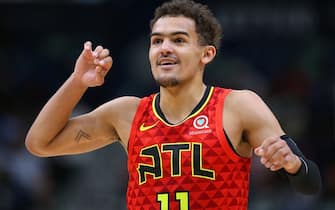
170, 34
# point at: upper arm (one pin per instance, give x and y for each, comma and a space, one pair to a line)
98, 128
257, 120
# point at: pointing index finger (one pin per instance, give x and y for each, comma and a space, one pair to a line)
88, 45
87, 51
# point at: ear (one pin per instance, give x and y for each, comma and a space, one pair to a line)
208, 55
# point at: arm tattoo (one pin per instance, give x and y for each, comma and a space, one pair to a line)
82, 135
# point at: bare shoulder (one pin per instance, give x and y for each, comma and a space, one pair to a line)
243, 98
248, 104
124, 102
118, 114
242, 102
119, 108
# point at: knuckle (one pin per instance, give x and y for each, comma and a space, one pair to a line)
283, 143
281, 151
98, 48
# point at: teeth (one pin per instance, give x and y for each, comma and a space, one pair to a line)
167, 63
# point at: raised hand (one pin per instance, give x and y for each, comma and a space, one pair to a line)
276, 154
92, 66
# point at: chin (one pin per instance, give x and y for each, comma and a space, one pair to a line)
167, 82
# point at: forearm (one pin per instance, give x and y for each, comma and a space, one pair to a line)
55, 114
307, 179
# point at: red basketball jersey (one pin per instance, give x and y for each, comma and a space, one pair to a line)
187, 166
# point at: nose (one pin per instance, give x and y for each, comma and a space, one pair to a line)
166, 47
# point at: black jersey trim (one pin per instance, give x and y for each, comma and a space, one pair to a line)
231, 144
197, 108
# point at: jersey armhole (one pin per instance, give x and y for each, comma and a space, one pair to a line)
134, 125
226, 142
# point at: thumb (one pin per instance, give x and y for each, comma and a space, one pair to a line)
259, 151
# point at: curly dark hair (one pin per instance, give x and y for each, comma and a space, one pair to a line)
207, 26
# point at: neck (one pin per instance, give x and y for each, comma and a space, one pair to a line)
178, 102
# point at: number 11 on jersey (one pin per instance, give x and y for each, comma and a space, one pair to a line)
181, 197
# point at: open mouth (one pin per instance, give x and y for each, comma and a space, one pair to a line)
166, 62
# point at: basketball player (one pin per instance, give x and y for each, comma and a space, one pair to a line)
189, 146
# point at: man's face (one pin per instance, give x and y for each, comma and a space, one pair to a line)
175, 53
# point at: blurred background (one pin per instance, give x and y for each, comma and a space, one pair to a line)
283, 50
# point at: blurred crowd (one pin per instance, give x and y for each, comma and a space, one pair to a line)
283, 50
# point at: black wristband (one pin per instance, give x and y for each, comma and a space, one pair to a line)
308, 179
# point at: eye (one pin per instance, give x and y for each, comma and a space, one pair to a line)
156, 41
179, 40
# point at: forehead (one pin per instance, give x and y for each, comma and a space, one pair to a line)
167, 25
